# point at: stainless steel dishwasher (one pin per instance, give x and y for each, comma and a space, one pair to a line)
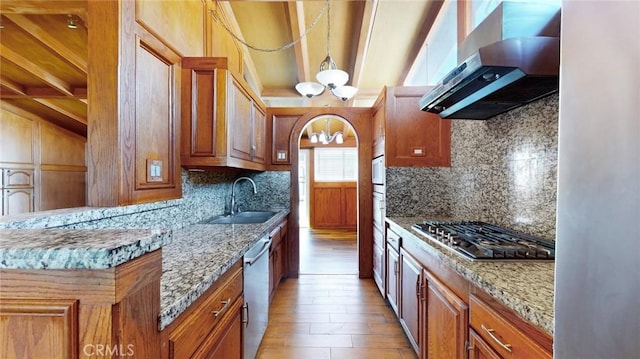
256, 296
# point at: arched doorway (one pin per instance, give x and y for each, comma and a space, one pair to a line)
360, 120
328, 199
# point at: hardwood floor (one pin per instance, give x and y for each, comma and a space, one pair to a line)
332, 315
328, 251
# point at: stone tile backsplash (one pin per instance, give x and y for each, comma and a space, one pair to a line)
502, 170
204, 195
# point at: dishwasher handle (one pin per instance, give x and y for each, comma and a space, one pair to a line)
265, 248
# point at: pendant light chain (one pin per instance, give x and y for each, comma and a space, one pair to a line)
216, 17
328, 25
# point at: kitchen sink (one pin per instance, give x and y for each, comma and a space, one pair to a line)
245, 217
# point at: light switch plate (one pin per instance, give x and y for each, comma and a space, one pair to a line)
154, 170
281, 155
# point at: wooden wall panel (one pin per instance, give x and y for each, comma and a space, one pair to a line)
62, 147
350, 203
16, 138
179, 23
39, 328
326, 207
62, 189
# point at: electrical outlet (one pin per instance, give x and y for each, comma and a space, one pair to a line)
154, 170
418, 152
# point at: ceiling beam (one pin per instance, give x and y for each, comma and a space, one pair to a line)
295, 11
44, 7
12, 85
56, 107
25, 64
364, 37
230, 18
421, 38
49, 41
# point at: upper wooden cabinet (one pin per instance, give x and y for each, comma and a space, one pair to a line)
223, 121
406, 136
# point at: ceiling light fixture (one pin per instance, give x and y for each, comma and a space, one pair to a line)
71, 23
329, 76
325, 137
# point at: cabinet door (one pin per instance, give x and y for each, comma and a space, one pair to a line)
240, 108
18, 178
479, 349
16, 201
259, 146
410, 285
414, 137
39, 328
447, 322
225, 341
393, 271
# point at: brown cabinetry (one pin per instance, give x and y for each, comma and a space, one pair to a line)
277, 256
393, 270
407, 136
500, 334
223, 121
209, 322
479, 349
446, 321
17, 191
410, 298
71, 313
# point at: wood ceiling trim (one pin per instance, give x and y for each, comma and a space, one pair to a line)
49, 41
295, 11
364, 37
34, 70
12, 85
230, 17
421, 39
52, 105
39, 7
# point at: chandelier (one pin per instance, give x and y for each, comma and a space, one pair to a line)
325, 137
329, 76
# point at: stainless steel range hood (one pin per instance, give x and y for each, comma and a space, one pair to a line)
512, 58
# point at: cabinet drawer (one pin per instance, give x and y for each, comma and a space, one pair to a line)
393, 240
15, 178
506, 339
188, 336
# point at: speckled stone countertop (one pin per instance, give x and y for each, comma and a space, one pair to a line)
198, 255
76, 249
524, 287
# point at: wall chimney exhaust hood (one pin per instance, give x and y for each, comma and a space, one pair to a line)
511, 58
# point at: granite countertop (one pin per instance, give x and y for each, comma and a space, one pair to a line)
76, 249
198, 255
524, 287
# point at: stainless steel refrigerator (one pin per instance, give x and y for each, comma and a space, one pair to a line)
597, 287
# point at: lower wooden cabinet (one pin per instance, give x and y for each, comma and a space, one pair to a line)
479, 349
447, 321
225, 341
444, 315
393, 278
277, 256
82, 313
411, 298
498, 332
209, 328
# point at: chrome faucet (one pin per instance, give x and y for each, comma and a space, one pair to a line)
233, 192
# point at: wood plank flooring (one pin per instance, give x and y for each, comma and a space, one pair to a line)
326, 313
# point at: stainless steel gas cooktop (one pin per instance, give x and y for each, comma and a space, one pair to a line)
484, 241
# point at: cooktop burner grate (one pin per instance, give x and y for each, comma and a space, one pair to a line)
484, 241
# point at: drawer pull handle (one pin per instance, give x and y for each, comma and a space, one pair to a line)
506, 347
225, 303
